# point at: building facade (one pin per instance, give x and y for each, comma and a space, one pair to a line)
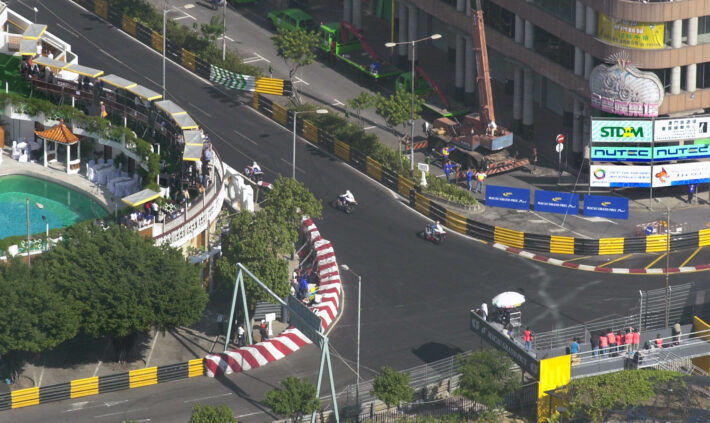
545, 50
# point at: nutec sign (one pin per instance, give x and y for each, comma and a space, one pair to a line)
618, 131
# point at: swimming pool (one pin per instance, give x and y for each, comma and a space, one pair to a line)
62, 206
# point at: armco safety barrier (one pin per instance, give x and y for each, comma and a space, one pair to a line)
101, 384
524, 241
178, 55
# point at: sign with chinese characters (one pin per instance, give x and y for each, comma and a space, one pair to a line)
622, 131
619, 176
641, 35
625, 90
681, 174
686, 128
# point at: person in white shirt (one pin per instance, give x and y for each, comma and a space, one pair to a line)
347, 198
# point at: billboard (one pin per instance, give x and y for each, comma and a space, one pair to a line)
619, 176
687, 128
624, 90
605, 206
646, 154
681, 174
622, 131
640, 35
508, 197
556, 202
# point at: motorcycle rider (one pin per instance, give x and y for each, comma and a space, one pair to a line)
436, 229
347, 198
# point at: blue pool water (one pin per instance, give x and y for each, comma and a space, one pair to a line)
62, 206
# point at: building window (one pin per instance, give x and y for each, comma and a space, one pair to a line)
502, 20
702, 78
553, 48
563, 9
450, 2
665, 76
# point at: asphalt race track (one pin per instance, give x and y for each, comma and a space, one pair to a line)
416, 295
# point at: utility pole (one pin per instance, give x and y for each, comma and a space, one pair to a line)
224, 30
165, 19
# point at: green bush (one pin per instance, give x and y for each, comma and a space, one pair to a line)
183, 37
440, 188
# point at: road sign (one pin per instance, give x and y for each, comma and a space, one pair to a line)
559, 148
560, 138
423, 167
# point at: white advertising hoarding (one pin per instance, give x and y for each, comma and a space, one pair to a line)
619, 176
681, 174
641, 176
686, 128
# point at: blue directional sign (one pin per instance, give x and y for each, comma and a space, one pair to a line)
605, 206
508, 197
556, 202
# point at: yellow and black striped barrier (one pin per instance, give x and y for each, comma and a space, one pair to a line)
101, 384
543, 243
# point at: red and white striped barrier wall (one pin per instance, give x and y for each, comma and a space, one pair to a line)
290, 340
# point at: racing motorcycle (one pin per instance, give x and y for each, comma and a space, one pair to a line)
344, 205
431, 235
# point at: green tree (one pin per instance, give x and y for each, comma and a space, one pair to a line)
392, 387
124, 282
214, 29
362, 102
36, 317
487, 378
297, 47
295, 398
288, 201
212, 414
397, 108
595, 397
259, 244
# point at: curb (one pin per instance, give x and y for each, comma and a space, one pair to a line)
598, 269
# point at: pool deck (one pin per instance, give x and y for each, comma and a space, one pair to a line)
78, 182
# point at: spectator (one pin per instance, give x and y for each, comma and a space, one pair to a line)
574, 346
603, 344
448, 168
240, 336
534, 159
676, 333
527, 337
636, 339
484, 311
480, 178
263, 332
659, 341
620, 341
469, 179
594, 340
628, 340
611, 339
220, 324
691, 192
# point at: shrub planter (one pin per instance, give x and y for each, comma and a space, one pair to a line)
476, 208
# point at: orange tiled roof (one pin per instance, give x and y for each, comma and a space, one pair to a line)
59, 133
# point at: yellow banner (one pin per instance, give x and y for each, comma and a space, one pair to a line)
641, 35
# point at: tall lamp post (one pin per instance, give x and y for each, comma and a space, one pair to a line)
295, 114
165, 18
357, 360
35, 10
413, 43
668, 253
224, 29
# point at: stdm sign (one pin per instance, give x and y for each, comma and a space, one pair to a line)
622, 131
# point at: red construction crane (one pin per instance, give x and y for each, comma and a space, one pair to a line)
483, 78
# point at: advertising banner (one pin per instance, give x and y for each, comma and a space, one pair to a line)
645, 154
619, 176
687, 128
622, 131
681, 174
508, 197
556, 202
641, 35
621, 154
604, 206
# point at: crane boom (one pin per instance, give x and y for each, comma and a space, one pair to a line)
483, 77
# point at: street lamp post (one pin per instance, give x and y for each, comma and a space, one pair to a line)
35, 10
668, 253
295, 115
357, 360
411, 126
165, 18
224, 30
29, 264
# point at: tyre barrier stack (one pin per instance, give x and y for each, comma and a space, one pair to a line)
289, 341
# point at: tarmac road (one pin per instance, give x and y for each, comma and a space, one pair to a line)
416, 295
